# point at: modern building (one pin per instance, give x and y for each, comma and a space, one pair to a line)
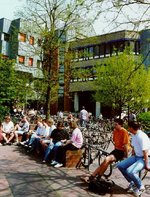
73, 92
20, 46
92, 51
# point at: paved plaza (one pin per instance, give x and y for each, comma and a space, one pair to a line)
23, 175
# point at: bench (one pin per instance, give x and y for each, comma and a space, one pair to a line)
73, 157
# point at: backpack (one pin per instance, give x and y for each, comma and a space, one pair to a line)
101, 186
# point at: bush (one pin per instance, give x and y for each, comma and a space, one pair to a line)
144, 118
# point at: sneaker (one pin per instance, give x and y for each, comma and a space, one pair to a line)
138, 192
85, 179
131, 187
58, 165
53, 163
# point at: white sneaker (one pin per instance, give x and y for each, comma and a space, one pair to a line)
54, 163
58, 165
138, 192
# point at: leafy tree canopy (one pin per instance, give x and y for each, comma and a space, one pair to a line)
123, 81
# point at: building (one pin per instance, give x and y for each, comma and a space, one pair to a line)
90, 51
19, 43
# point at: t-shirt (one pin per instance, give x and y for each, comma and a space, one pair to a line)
77, 138
8, 127
140, 142
121, 138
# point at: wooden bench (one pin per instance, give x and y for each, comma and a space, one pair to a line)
73, 157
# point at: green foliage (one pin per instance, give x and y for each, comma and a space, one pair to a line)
123, 81
11, 86
144, 118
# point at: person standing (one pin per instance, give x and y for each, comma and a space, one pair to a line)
84, 117
139, 160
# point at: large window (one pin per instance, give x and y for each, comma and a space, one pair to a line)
31, 40
21, 59
22, 37
30, 63
6, 37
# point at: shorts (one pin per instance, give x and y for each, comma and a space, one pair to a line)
118, 154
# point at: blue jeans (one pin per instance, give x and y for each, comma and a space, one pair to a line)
130, 169
50, 147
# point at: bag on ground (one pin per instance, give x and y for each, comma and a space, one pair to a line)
101, 186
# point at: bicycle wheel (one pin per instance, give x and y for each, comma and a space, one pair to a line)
143, 173
86, 157
108, 172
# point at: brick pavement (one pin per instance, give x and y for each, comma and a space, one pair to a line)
23, 175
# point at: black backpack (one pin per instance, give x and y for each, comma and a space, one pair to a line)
101, 186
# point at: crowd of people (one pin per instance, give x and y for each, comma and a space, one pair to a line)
131, 147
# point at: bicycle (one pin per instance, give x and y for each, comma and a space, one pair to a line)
90, 154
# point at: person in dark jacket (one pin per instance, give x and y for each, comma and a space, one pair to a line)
58, 136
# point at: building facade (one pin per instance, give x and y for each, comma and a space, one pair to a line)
92, 51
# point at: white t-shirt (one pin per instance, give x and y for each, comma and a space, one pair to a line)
83, 114
8, 127
140, 142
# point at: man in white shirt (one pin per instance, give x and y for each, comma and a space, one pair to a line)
84, 117
139, 160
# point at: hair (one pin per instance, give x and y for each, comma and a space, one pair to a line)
73, 124
60, 124
134, 124
50, 121
119, 121
7, 118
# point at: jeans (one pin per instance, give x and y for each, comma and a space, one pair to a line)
130, 169
50, 147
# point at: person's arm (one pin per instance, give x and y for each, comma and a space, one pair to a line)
146, 159
126, 151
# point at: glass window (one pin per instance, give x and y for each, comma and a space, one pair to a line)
102, 50
22, 37
31, 40
30, 61
6, 37
21, 59
96, 51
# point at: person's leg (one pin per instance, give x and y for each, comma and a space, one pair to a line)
48, 150
133, 172
61, 153
103, 167
124, 165
11, 136
4, 137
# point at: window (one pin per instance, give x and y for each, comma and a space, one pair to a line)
39, 64
22, 37
6, 37
31, 40
96, 51
21, 59
30, 63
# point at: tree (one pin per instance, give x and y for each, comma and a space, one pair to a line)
11, 86
125, 14
122, 81
52, 21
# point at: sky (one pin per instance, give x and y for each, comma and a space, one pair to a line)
8, 8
